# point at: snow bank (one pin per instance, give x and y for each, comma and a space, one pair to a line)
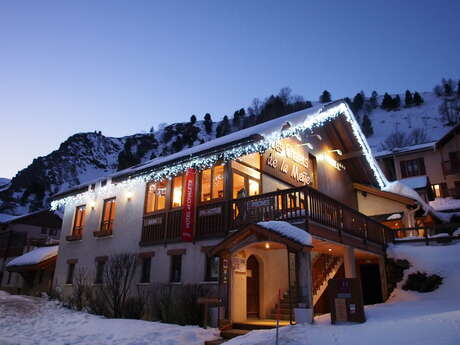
444, 204
34, 256
415, 182
288, 230
48, 323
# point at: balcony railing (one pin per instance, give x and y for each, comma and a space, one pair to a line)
450, 167
76, 234
297, 205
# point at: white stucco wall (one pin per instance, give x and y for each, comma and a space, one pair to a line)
126, 235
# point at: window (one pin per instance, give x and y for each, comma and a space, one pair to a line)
436, 190
108, 215
212, 268
79, 220
146, 265
156, 196
212, 183
454, 158
413, 167
176, 268
244, 186
70, 270
99, 272
177, 183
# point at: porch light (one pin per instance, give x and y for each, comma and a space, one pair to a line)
129, 195
339, 152
267, 245
330, 250
92, 204
309, 145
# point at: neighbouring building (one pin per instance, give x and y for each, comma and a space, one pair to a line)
438, 161
21, 241
269, 208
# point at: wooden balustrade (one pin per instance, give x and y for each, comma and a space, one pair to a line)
295, 205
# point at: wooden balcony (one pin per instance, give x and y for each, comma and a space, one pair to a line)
303, 206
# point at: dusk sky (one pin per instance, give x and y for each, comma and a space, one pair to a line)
122, 66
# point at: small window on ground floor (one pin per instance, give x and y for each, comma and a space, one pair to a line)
146, 266
176, 268
99, 272
70, 271
212, 268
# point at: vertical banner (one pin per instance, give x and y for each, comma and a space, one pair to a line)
188, 208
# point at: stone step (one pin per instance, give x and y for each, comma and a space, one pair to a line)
232, 333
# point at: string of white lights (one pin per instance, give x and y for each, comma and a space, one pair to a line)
205, 162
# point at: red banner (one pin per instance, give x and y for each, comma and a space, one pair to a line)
188, 208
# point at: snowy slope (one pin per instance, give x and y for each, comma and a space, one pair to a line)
405, 120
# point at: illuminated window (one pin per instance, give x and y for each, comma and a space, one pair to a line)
108, 215
436, 190
79, 220
244, 186
212, 183
177, 191
156, 196
239, 187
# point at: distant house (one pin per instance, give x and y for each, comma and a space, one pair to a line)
20, 236
438, 160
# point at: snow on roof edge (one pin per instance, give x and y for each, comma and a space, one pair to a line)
34, 257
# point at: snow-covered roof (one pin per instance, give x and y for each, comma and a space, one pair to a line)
402, 150
34, 257
415, 182
288, 230
4, 218
267, 132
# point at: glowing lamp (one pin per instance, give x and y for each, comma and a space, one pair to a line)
129, 195
267, 245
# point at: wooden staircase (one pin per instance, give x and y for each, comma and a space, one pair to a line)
286, 306
324, 267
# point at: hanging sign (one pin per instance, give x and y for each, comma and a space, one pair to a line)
288, 161
188, 208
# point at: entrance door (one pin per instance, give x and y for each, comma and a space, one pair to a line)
252, 287
371, 284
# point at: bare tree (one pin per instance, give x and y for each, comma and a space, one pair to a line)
118, 277
450, 110
80, 289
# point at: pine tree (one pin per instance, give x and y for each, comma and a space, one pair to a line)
208, 123
396, 102
387, 102
408, 100
373, 100
358, 102
192, 119
223, 128
325, 97
458, 89
448, 87
367, 126
418, 100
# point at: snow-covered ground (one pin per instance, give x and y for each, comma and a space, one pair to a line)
36, 321
408, 318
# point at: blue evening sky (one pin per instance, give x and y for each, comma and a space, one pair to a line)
123, 66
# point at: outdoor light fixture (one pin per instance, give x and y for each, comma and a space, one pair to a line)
129, 195
309, 145
339, 152
330, 249
267, 245
92, 204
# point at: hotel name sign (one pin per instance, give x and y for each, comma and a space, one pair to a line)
290, 162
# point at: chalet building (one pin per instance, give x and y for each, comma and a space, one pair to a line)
21, 238
270, 208
438, 162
